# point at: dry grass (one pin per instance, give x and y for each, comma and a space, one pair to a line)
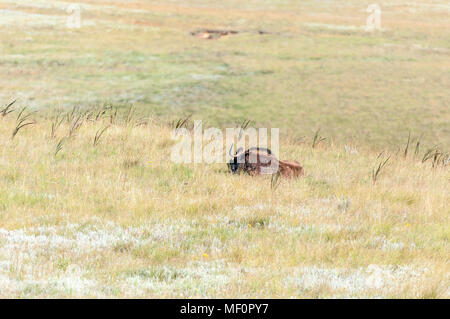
119, 220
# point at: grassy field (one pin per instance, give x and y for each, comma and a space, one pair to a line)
316, 67
115, 218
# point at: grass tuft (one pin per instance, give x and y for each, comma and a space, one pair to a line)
23, 120
99, 134
378, 168
317, 139
7, 109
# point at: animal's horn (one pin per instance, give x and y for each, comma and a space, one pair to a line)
229, 152
238, 152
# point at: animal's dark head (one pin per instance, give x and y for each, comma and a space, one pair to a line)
235, 164
238, 161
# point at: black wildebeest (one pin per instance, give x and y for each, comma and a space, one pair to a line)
260, 161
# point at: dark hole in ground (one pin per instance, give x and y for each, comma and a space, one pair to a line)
212, 34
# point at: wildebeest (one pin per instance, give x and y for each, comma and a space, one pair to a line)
260, 161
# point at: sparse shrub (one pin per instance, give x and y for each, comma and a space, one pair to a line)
405, 153
22, 121
59, 146
275, 181
182, 122
437, 157
317, 139
7, 109
56, 123
378, 168
130, 114
99, 134
129, 163
77, 122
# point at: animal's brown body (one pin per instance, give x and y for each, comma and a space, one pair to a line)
257, 161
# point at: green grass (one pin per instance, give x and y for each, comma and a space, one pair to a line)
371, 88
